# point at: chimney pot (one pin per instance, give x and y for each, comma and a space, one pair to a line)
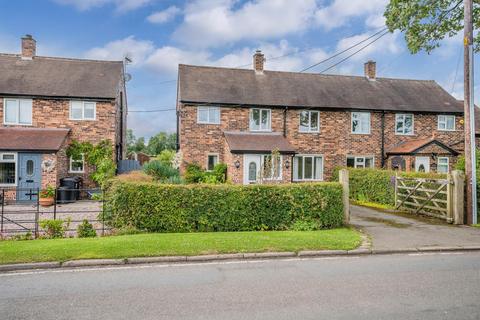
29, 47
258, 61
370, 68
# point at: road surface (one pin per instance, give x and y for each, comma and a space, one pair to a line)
414, 286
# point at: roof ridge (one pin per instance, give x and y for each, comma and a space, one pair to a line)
61, 58
304, 73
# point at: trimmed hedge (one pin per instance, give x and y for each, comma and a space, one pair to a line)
376, 185
157, 207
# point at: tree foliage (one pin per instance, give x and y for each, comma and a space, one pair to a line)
156, 144
427, 22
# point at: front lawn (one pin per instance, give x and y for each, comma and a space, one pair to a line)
167, 244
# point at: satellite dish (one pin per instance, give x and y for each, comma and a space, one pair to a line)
128, 77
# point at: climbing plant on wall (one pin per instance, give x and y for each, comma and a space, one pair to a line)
100, 156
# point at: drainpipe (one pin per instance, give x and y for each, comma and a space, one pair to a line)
285, 121
383, 139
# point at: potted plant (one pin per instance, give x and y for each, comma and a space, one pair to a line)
47, 196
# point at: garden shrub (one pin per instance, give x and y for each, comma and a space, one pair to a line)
377, 185
200, 207
55, 228
195, 174
160, 171
86, 230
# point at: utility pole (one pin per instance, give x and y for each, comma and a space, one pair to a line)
469, 114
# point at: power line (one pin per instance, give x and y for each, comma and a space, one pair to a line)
153, 110
343, 51
348, 57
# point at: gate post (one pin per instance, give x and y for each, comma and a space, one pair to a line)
457, 193
343, 179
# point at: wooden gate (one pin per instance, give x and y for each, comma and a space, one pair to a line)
441, 198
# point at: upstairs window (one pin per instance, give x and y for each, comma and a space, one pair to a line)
77, 164
360, 162
208, 115
309, 121
404, 124
82, 110
17, 111
446, 123
361, 122
260, 120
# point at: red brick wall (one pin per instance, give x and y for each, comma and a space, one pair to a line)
334, 141
55, 113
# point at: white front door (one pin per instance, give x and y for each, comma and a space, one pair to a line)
251, 168
422, 164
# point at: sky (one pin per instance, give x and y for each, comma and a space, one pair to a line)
159, 34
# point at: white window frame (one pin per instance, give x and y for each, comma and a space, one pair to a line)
271, 178
14, 160
360, 119
447, 164
309, 129
444, 122
313, 156
18, 102
356, 161
269, 124
83, 111
208, 109
397, 119
216, 162
70, 170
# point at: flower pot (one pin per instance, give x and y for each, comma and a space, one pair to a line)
46, 202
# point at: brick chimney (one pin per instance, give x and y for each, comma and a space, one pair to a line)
258, 61
29, 47
370, 68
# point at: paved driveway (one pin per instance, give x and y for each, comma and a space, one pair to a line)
404, 231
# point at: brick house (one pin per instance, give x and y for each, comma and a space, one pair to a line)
46, 102
317, 122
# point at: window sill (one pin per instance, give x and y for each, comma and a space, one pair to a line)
405, 134
446, 130
269, 130
82, 119
361, 133
308, 180
309, 132
74, 172
19, 124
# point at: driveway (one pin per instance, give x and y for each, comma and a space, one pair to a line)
406, 231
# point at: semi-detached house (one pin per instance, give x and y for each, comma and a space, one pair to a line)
317, 122
47, 102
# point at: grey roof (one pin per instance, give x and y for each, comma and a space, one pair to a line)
246, 142
59, 77
274, 88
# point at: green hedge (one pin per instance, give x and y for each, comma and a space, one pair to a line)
376, 185
189, 208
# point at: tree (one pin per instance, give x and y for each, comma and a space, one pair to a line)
139, 145
426, 22
161, 141
131, 139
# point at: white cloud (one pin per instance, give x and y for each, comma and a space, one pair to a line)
166, 59
339, 12
211, 23
165, 15
120, 5
137, 50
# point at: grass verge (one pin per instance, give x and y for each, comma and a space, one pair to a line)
166, 244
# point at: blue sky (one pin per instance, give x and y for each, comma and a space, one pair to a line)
159, 34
